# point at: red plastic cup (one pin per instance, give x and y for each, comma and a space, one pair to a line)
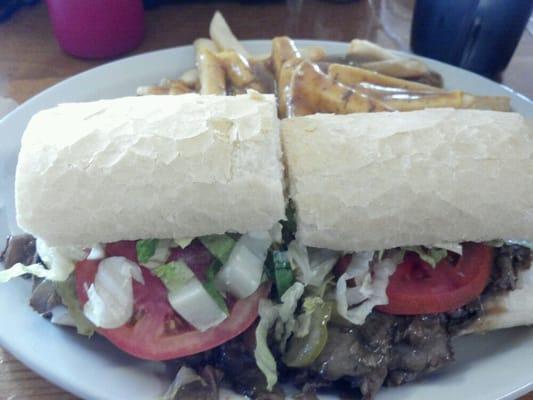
97, 28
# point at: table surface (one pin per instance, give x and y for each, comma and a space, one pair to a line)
30, 61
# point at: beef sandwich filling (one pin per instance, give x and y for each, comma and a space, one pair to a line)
320, 319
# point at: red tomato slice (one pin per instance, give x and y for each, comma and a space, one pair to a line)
156, 331
417, 288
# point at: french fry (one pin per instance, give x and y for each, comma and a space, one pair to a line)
202, 44
313, 53
368, 51
285, 59
222, 35
211, 76
262, 69
412, 101
151, 90
260, 58
409, 100
453, 98
239, 71
165, 87
283, 50
223, 66
312, 91
190, 77
398, 67
285, 76
495, 103
175, 86
350, 76
413, 95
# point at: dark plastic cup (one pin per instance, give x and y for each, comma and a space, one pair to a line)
479, 35
97, 28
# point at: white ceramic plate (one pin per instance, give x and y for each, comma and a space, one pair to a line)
495, 366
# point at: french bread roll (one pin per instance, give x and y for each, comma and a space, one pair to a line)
381, 180
150, 167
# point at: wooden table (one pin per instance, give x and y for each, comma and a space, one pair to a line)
31, 61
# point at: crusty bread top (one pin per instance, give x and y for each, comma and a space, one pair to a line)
380, 180
150, 167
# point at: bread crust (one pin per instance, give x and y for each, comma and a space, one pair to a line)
150, 167
381, 180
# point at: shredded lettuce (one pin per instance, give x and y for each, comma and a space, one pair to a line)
97, 252
286, 324
281, 316
219, 246
431, 255
183, 242
145, 249
456, 248
436, 253
110, 296
310, 304
160, 254
59, 262
289, 301
185, 376
355, 303
268, 313
67, 291
61, 316
189, 297
311, 265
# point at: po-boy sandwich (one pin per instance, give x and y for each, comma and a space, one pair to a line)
157, 226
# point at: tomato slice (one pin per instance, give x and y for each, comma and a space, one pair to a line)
156, 331
417, 288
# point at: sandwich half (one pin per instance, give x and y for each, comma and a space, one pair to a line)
432, 214
153, 217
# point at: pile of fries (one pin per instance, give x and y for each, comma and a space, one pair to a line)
307, 81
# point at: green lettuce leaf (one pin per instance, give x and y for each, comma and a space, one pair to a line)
282, 272
174, 275
67, 291
219, 246
431, 255
211, 288
145, 249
